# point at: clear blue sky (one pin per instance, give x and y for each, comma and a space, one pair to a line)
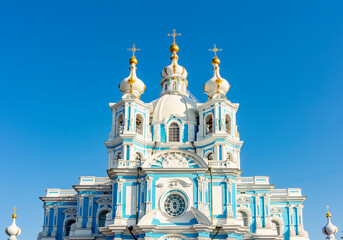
61, 62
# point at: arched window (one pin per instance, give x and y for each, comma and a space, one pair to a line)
120, 126
174, 133
68, 227
174, 86
139, 124
118, 156
209, 156
229, 157
276, 226
244, 217
228, 123
209, 124
165, 86
102, 219
138, 156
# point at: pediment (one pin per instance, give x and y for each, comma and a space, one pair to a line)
175, 159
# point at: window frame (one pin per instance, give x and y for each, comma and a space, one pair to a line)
139, 117
168, 131
207, 116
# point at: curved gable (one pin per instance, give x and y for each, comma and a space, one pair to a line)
175, 158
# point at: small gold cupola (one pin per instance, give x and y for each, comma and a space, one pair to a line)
132, 85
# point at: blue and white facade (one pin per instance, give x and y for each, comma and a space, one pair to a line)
173, 174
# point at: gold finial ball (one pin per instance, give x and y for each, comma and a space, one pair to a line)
133, 59
174, 48
215, 60
14, 215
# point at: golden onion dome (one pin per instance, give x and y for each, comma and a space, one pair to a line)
133, 59
215, 61
174, 48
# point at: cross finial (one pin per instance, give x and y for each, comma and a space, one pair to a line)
14, 209
174, 34
215, 50
328, 213
133, 49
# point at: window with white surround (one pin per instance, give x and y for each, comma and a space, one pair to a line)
139, 124
118, 156
228, 123
174, 86
276, 226
120, 122
244, 216
174, 205
165, 86
138, 156
229, 156
174, 133
68, 227
209, 124
209, 156
102, 218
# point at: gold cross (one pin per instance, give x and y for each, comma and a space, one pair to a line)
133, 49
215, 50
327, 207
14, 209
174, 34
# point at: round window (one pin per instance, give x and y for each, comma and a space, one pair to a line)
174, 205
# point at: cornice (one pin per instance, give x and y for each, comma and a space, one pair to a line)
216, 100
253, 187
59, 199
98, 187
114, 172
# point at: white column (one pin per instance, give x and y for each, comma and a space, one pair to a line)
229, 199
258, 211
200, 193
267, 221
46, 220
300, 224
124, 151
132, 119
291, 220
119, 182
206, 194
149, 193
54, 222
216, 147
79, 212
216, 119
223, 152
142, 201
90, 212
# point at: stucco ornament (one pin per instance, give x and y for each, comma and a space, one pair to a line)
174, 238
174, 161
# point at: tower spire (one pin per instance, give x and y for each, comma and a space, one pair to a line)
13, 231
329, 230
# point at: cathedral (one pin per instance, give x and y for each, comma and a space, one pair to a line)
173, 173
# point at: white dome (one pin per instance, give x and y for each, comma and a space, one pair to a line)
216, 85
132, 84
329, 228
174, 105
13, 230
